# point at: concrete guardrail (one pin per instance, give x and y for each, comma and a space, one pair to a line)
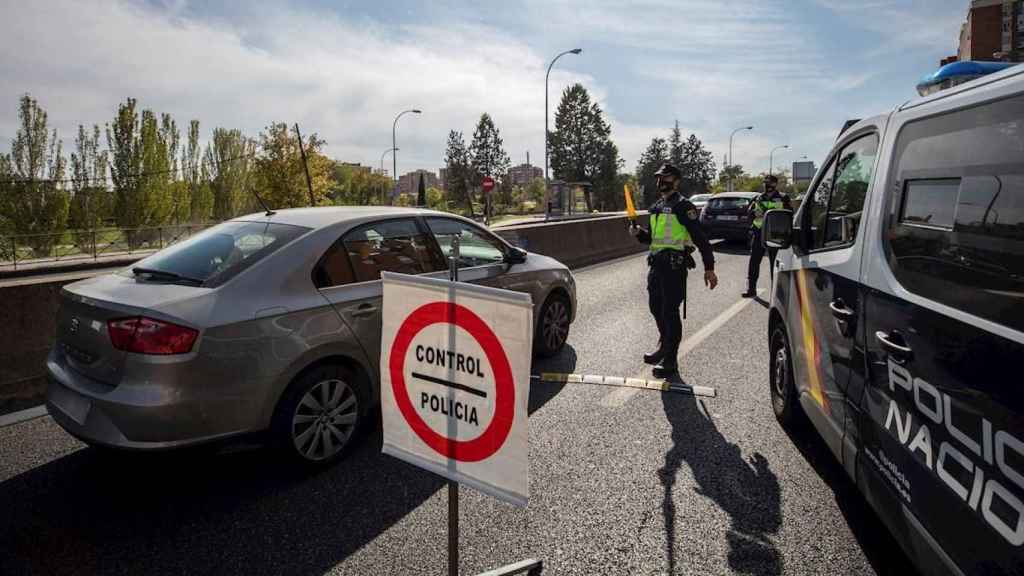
28, 308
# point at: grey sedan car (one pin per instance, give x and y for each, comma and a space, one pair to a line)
266, 323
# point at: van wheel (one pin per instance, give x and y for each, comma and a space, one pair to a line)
552, 329
319, 415
783, 390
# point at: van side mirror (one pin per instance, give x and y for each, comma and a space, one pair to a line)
515, 256
777, 231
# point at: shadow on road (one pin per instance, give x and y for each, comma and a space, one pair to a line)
880, 547
200, 513
731, 247
746, 489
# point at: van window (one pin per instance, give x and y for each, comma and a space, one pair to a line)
835, 206
956, 218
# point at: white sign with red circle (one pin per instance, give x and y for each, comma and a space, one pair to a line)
455, 377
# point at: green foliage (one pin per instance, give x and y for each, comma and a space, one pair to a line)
534, 191
357, 186
651, 159
458, 172
580, 147
228, 161
196, 176
675, 146
143, 165
698, 167
91, 202
436, 199
279, 171
487, 152
32, 198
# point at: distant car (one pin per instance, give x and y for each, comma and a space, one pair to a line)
726, 215
266, 323
700, 200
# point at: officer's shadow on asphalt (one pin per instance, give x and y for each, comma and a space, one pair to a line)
746, 489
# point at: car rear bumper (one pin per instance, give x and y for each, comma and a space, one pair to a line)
739, 229
142, 417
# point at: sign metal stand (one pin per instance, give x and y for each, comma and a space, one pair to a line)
530, 567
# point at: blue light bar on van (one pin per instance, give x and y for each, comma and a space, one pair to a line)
957, 73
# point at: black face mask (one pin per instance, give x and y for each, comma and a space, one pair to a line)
665, 185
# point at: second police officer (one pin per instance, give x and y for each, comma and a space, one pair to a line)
673, 234
770, 199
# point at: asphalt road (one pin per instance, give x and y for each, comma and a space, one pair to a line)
621, 481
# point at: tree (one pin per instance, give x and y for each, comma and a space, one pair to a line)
457, 174
196, 177
91, 203
651, 159
356, 186
229, 162
143, 165
697, 166
279, 171
33, 199
487, 152
580, 147
676, 149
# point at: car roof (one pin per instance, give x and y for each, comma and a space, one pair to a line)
321, 216
746, 195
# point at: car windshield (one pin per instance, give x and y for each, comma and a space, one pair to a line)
728, 203
700, 198
214, 255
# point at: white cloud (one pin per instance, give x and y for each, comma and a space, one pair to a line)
345, 80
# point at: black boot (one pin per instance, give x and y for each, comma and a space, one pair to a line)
751, 289
654, 357
666, 370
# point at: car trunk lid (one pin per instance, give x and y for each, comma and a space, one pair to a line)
86, 307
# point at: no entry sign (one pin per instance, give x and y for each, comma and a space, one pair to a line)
487, 184
455, 373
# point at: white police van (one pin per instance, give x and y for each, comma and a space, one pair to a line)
897, 320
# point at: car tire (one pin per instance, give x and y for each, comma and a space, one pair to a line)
552, 326
320, 414
780, 376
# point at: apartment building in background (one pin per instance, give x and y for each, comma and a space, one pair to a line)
992, 31
522, 175
409, 182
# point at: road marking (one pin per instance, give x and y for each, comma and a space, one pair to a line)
22, 416
618, 382
617, 398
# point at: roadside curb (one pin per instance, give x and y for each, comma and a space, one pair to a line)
22, 416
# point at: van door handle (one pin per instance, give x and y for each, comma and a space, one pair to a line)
364, 310
894, 344
839, 309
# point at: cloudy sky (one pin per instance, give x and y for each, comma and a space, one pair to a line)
795, 69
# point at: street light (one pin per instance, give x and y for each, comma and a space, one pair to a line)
394, 125
730, 151
382, 170
770, 164
547, 199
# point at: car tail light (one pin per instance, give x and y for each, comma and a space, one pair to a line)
143, 335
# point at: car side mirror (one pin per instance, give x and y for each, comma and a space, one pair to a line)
515, 256
777, 231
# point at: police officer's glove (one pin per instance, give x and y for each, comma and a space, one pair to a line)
634, 230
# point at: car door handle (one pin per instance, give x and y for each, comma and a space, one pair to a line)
839, 309
364, 310
890, 344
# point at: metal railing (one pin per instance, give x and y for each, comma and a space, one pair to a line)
36, 250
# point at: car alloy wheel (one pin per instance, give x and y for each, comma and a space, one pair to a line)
555, 324
324, 420
783, 390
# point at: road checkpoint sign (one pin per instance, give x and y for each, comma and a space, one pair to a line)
455, 377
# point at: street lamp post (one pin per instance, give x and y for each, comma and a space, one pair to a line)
770, 164
394, 125
730, 152
386, 152
547, 194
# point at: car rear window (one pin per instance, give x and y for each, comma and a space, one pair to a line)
219, 253
728, 203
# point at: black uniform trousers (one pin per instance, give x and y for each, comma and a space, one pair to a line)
666, 289
757, 251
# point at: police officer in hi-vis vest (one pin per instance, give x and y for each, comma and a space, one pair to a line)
770, 199
673, 235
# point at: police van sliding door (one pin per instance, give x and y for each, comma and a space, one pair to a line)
943, 434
